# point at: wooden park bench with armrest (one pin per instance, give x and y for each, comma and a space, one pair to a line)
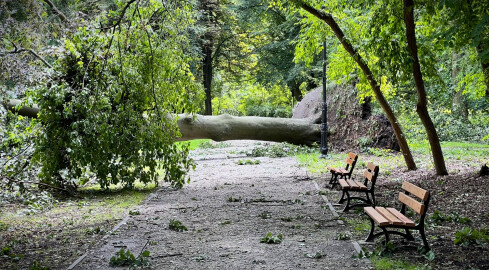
368, 187
390, 218
345, 173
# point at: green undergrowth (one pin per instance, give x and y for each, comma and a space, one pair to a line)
472, 154
193, 144
385, 263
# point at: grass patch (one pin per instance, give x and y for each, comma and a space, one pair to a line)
316, 165
383, 263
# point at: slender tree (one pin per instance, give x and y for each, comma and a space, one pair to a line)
421, 106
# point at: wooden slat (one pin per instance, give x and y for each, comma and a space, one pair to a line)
352, 156
372, 166
352, 184
349, 161
343, 171
407, 222
389, 216
367, 175
376, 216
415, 190
331, 168
412, 203
361, 185
343, 184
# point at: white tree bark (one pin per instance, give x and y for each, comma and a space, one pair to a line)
227, 127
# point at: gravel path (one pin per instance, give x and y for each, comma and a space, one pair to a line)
227, 209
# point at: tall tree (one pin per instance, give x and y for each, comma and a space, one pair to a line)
210, 11
421, 106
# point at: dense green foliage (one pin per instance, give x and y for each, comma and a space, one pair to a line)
105, 107
105, 110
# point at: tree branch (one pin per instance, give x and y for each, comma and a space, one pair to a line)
21, 50
56, 11
34, 183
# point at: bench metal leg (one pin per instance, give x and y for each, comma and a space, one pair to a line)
370, 237
386, 233
334, 180
348, 199
408, 235
373, 198
423, 236
342, 197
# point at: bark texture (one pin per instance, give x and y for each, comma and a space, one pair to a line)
226, 127
328, 19
421, 106
210, 11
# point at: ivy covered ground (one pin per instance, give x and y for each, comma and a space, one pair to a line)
256, 211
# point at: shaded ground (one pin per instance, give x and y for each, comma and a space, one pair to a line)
227, 209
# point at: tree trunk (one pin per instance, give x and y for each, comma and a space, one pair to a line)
368, 73
421, 106
226, 127
296, 91
459, 104
207, 74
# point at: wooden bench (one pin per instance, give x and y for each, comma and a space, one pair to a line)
345, 173
390, 218
368, 187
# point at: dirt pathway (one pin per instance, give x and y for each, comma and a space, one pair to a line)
227, 209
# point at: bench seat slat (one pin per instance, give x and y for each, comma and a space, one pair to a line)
361, 185
389, 216
343, 184
376, 216
407, 222
352, 184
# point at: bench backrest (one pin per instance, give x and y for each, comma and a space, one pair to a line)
351, 160
370, 174
406, 200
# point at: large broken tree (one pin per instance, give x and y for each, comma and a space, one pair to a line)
227, 127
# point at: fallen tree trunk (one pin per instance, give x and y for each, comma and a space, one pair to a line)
227, 127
